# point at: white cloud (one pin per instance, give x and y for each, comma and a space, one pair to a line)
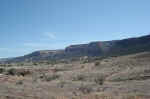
50, 35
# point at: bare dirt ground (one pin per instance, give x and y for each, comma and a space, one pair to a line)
124, 77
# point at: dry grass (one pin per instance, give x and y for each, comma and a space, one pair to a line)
119, 76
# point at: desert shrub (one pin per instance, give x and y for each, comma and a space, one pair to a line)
45, 62
97, 63
9, 65
22, 64
48, 63
18, 72
23, 72
99, 80
52, 62
147, 71
20, 82
79, 77
97, 58
82, 66
50, 77
9, 97
61, 84
35, 63
11, 71
74, 59
85, 89
2, 70
64, 61
85, 61
3, 65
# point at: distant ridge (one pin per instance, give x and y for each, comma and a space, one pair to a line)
99, 48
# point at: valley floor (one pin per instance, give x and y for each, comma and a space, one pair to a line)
124, 77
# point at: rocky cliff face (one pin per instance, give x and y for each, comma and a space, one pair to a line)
104, 48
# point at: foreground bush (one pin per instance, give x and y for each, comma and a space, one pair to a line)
18, 72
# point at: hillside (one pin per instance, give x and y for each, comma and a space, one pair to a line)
98, 49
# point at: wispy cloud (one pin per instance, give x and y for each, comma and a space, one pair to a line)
8, 50
4, 49
45, 42
13, 52
50, 35
44, 46
36, 45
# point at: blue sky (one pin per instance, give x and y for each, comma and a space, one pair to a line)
30, 25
